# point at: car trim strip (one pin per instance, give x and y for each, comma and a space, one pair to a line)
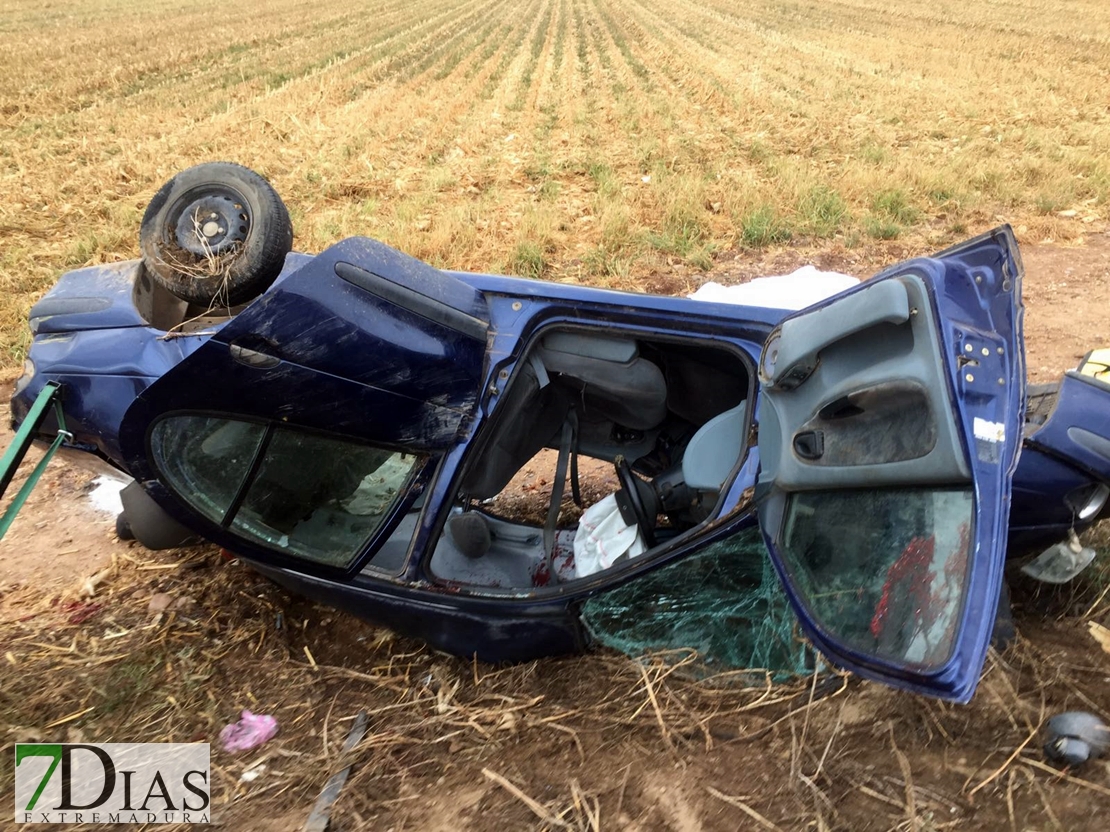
413, 301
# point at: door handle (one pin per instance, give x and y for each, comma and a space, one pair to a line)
253, 358
810, 444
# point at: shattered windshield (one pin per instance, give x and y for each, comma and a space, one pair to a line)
883, 570
720, 609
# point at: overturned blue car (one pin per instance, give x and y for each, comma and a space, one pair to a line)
342, 420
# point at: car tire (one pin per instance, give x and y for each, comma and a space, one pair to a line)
216, 233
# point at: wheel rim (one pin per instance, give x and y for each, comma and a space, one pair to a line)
209, 221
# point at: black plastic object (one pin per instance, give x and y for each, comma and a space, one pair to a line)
631, 500
435, 309
470, 534
1074, 737
123, 527
148, 523
216, 233
810, 444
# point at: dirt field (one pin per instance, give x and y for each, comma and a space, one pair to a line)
639, 144
595, 742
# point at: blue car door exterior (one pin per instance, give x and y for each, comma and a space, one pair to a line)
363, 361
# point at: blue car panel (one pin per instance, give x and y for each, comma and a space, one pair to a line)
421, 369
1079, 428
937, 641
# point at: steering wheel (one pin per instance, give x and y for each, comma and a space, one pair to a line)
629, 484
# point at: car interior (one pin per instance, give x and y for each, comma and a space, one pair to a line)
670, 416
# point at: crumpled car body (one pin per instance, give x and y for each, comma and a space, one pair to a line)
343, 432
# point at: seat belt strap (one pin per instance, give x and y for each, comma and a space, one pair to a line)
575, 488
557, 488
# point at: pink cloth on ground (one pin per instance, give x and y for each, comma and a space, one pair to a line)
249, 732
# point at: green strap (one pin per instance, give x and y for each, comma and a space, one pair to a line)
25, 436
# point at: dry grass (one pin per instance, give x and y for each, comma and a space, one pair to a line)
596, 742
592, 140
231, 640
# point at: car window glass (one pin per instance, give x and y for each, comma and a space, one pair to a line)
205, 459
321, 498
883, 570
315, 497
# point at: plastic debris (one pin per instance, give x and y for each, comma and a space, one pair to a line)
1060, 563
249, 732
1074, 737
1100, 634
318, 820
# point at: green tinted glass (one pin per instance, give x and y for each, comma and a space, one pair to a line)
883, 570
321, 498
205, 459
314, 497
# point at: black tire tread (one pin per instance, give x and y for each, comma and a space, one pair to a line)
252, 270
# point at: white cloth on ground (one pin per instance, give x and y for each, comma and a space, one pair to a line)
797, 290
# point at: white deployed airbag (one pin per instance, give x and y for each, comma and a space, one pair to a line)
603, 538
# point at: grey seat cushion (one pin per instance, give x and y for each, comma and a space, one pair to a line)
607, 379
714, 450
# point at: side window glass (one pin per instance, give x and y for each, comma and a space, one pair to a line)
205, 459
884, 571
321, 498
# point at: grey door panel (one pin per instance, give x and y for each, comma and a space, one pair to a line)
873, 408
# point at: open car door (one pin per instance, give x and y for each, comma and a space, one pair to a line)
889, 430
300, 433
